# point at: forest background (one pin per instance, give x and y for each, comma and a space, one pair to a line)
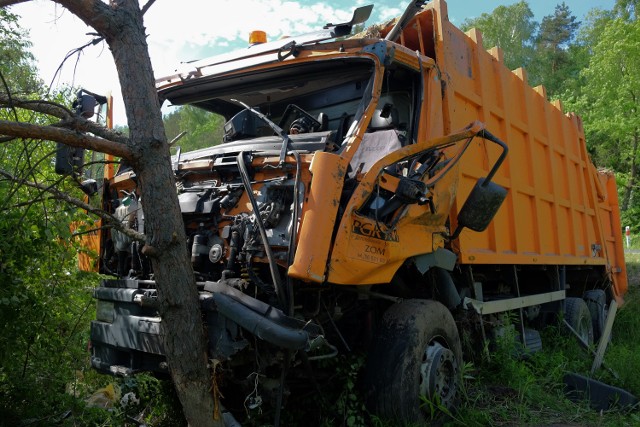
592, 66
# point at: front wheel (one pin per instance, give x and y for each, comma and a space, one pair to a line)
416, 357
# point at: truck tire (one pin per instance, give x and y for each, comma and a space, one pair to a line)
415, 353
596, 301
577, 315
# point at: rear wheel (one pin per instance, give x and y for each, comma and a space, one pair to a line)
578, 317
596, 301
416, 353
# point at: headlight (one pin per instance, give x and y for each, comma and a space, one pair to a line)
105, 311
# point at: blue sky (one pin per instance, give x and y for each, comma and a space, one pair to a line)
459, 10
192, 29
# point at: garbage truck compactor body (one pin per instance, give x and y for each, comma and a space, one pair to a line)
389, 194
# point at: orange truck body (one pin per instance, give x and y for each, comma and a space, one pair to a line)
559, 208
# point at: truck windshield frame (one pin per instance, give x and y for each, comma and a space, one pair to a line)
339, 88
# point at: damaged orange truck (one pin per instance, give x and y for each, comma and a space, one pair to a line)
386, 194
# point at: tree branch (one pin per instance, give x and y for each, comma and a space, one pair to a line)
83, 125
70, 120
39, 106
94, 13
108, 218
31, 172
65, 136
147, 6
77, 51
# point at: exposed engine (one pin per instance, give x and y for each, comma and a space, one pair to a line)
243, 282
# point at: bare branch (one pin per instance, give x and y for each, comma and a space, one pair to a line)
77, 51
108, 218
13, 206
31, 172
90, 230
147, 6
39, 106
6, 88
68, 137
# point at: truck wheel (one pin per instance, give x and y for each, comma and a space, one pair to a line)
577, 315
596, 301
416, 353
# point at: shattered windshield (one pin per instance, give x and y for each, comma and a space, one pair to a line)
315, 96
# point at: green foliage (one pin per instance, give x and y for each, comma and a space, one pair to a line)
46, 309
511, 28
338, 402
605, 95
627, 9
614, 80
349, 408
554, 62
139, 400
203, 129
16, 67
609, 103
45, 303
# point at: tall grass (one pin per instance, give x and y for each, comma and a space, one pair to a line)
506, 390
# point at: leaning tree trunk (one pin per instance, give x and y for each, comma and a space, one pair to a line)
121, 25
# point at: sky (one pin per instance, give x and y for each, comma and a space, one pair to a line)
186, 30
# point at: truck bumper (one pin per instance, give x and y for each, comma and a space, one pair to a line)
126, 337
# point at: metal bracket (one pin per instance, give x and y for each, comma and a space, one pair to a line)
604, 339
490, 307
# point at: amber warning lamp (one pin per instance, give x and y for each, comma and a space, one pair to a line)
257, 37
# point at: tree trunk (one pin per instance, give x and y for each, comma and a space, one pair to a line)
121, 24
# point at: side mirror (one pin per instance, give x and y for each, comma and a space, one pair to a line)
480, 207
85, 105
89, 187
485, 198
69, 160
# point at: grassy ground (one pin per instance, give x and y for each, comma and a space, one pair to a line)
500, 390
504, 391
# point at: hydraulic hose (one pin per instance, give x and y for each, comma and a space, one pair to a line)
273, 267
294, 228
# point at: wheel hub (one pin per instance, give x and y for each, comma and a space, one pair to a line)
438, 372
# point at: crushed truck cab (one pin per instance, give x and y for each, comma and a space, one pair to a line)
382, 194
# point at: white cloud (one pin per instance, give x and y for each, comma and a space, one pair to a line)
387, 13
231, 21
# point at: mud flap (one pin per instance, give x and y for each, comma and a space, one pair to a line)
601, 396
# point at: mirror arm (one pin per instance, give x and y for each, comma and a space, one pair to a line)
483, 189
489, 136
